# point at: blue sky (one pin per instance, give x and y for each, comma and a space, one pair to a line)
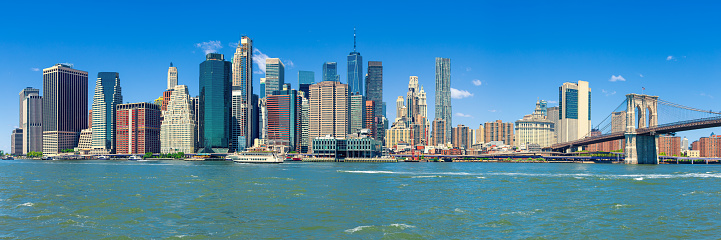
519, 51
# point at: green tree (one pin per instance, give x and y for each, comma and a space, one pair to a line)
148, 155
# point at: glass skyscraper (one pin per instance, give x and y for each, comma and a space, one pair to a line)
355, 70
443, 94
215, 103
274, 75
330, 72
305, 79
108, 95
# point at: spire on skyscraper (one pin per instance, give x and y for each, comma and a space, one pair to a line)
354, 39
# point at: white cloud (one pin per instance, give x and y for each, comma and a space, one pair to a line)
35, 69
233, 44
615, 78
477, 82
468, 69
259, 59
458, 94
492, 110
669, 58
607, 93
209, 46
554, 102
463, 115
706, 95
288, 64
641, 75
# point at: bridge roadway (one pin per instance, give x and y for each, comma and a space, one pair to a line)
660, 129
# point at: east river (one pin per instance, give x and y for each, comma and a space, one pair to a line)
197, 200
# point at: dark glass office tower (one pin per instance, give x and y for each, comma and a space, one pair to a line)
215, 103
330, 72
65, 107
305, 79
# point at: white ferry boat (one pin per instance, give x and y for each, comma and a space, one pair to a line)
135, 158
260, 154
256, 157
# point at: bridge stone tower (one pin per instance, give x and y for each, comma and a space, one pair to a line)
641, 149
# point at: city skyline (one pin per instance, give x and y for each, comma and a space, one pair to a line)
484, 68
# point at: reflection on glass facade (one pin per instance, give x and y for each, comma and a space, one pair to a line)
330, 71
305, 79
215, 103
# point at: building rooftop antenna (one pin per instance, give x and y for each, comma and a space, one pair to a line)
354, 39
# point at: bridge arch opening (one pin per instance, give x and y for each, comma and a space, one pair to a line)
639, 117
649, 116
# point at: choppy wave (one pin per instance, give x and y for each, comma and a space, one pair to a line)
400, 226
637, 177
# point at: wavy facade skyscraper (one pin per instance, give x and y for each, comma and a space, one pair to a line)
443, 94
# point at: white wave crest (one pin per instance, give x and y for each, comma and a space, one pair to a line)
27, 204
355, 229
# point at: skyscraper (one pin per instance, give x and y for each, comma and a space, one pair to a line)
357, 112
305, 125
177, 131
262, 88
574, 101
31, 121
439, 132
237, 138
65, 107
274, 75
305, 79
32, 112
370, 122
23, 94
329, 109
108, 95
16, 142
330, 72
284, 116
355, 69
172, 77
374, 85
138, 128
443, 93
243, 82
215, 103
499, 131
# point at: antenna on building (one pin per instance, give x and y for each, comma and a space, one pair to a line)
353, 39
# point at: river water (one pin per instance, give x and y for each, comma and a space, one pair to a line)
176, 199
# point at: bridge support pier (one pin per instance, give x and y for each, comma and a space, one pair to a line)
641, 149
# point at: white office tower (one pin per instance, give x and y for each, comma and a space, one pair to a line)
574, 101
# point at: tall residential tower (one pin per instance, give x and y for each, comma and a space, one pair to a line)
443, 93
